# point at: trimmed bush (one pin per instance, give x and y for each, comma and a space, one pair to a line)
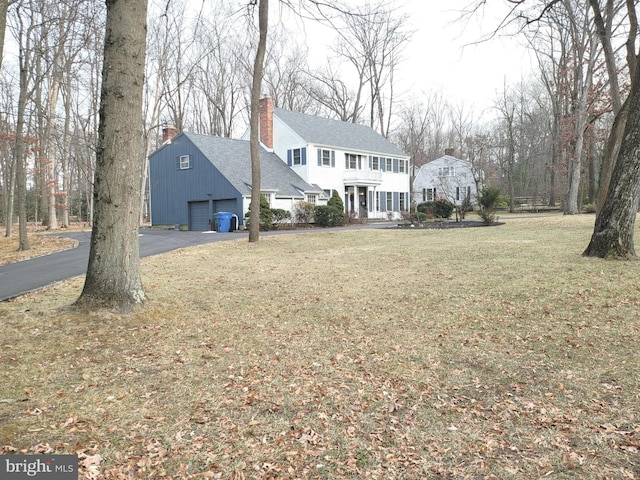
324, 215
441, 208
279, 215
327, 216
266, 221
335, 202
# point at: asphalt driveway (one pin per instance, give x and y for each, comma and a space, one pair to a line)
29, 275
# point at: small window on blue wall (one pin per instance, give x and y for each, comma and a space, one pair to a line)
184, 162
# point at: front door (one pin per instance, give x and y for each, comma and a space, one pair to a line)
362, 202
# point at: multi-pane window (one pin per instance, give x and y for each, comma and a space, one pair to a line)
403, 166
375, 163
446, 171
403, 201
352, 162
463, 193
389, 201
326, 158
312, 198
267, 197
185, 162
297, 156
429, 194
389, 164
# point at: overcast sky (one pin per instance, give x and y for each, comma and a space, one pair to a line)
444, 54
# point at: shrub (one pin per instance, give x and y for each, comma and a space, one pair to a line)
336, 201
279, 215
303, 212
266, 221
464, 208
503, 201
489, 200
324, 216
589, 208
441, 208
408, 216
339, 217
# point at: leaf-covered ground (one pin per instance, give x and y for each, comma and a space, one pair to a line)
40, 245
383, 354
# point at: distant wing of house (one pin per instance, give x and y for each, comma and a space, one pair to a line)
194, 176
447, 177
232, 158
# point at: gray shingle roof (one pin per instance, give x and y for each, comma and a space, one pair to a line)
233, 159
334, 133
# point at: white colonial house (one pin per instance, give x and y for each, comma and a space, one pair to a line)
447, 177
368, 171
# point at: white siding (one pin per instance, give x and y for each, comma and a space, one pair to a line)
429, 177
333, 177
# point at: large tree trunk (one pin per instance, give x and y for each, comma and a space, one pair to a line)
113, 274
20, 148
65, 163
4, 6
615, 222
612, 150
258, 66
9, 194
51, 182
603, 29
20, 165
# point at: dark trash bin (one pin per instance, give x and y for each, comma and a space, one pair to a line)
224, 221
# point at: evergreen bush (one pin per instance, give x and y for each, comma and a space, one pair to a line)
266, 220
489, 201
440, 208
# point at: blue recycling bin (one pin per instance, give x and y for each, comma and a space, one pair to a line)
224, 221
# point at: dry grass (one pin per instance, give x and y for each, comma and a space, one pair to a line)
383, 354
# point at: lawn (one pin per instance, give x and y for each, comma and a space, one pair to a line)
385, 354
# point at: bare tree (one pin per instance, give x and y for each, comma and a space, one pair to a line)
220, 74
604, 21
336, 97
372, 41
285, 77
507, 106
113, 273
256, 86
28, 20
615, 221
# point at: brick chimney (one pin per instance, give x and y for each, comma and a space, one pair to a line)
168, 132
266, 121
450, 151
